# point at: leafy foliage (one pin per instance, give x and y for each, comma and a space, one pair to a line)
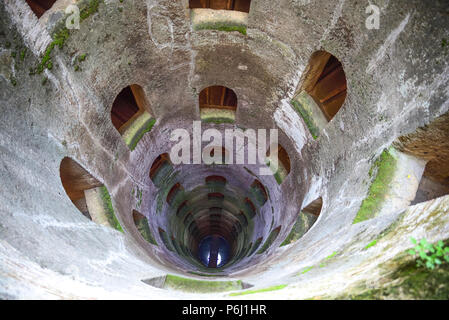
430, 255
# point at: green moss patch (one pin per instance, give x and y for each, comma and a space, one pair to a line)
218, 120
409, 282
62, 34
306, 270
384, 168
200, 286
273, 288
323, 263
308, 119
371, 244
135, 132
145, 231
221, 26
109, 210
303, 223
255, 246
166, 240
271, 238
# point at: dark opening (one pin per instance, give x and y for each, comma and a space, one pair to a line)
218, 97
259, 193
141, 223
173, 193
215, 196
250, 208
271, 238
165, 239
431, 144
75, 180
160, 169
40, 6
124, 108
305, 220
214, 251
314, 207
283, 164
216, 180
325, 81
237, 5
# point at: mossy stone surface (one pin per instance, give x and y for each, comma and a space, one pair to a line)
303, 223
200, 286
384, 169
273, 288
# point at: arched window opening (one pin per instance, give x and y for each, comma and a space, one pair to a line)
175, 194
323, 91
216, 181
221, 15
306, 219
255, 246
165, 239
430, 144
183, 209
250, 208
218, 104
39, 7
88, 194
283, 163
271, 238
176, 245
188, 219
243, 219
215, 196
141, 223
237, 5
130, 115
76, 180
259, 193
161, 169
314, 208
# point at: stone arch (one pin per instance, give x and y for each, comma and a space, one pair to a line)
131, 115
322, 91
236, 5
218, 104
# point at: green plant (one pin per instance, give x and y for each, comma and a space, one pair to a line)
82, 57
323, 264
306, 270
22, 54
60, 37
371, 244
13, 81
112, 219
430, 255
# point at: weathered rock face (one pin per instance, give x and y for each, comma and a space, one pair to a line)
57, 89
